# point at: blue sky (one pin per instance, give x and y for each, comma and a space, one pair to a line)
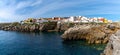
17, 10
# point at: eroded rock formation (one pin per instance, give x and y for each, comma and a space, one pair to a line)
90, 33
113, 46
29, 27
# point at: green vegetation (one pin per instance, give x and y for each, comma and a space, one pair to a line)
15, 24
71, 24
49, 23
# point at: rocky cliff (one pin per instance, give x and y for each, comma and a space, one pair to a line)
90, 33
113, 46
32, 27
28, 27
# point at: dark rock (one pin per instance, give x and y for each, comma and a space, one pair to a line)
31, 27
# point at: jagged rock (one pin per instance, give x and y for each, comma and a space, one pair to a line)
31, 27
111, 27
90, 33
113, 46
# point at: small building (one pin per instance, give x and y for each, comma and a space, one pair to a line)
105, 20
109, 21
84, 19
56, 18
73, 19
29, 20
95, 19
100, 20
49, 19
41, 21
65, 19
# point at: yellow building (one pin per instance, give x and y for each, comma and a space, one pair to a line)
29, 20
105, 21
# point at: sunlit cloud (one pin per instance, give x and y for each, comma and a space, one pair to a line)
16, 10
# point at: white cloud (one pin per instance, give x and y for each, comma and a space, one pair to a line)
8, 12
58, 5
23, 4
37, 2
28, 3
8, 8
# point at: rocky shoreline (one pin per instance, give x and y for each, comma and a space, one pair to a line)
97, 34
48, 26
93, 34
113, 46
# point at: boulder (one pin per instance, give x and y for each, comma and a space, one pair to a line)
113, 46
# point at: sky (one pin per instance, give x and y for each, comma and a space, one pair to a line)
17, 10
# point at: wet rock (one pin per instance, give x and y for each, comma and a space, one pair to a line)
113, 46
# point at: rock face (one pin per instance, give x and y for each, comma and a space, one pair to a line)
90, 33
32, 27
113, 46
29, 27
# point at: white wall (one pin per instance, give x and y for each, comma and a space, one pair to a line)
71, 19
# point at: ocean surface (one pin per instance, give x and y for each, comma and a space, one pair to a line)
44, 43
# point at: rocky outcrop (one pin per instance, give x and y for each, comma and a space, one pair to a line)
32, 27
113, 46
90, 33
29, 27
2, 25
48, 26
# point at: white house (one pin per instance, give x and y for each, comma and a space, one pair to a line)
84, 19
75, 19
41, 21
109, 21
95, 19
71, 19
90, 20
100, 19
65, 19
